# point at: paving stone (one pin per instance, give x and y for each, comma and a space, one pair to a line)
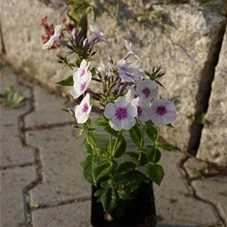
9, 78
12, 202
61, 155
173, 202
195, 167
214, 189
48, 109
12, 151
71, 215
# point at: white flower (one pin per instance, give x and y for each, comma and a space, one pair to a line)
127, 72
162, 112
121, 114
131, 50
147, 88
54, 37
99, 35
83, 110
131, 94
82, 70
82, 78
143, 107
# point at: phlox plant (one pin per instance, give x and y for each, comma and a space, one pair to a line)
119, 112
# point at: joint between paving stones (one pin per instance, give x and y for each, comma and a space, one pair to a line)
188, 181
62, 203
16, 166
47, 126
37, 159
32, 185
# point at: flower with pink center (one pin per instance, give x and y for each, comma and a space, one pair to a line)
98, 35
143, 107
54, 37
147, 88
121, 114
82, 78
82, 70
131, 50
127, 72
131, 94
82, 111
162, 112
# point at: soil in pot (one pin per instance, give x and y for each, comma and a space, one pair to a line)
139, 212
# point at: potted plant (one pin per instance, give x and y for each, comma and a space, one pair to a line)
118, 110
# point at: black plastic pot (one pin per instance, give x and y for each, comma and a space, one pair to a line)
139, 212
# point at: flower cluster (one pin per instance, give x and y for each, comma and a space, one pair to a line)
125, 101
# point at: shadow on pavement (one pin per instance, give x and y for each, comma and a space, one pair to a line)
167, 225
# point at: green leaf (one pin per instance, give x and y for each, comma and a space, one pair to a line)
67, 82
124, 193
125, 168
134, 177
111, 131
155, 172
109, 200
166, 146
90, 139
136, 136
65, 110
87, 147
99, 192
100, 122
101, 168
135, 156
141, 18
155, 155
80, 133
151, 132
119, 146
12, 98
87, 169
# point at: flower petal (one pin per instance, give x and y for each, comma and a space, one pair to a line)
109, 110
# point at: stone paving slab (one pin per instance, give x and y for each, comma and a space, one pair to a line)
214, 189
13, 181
173, 202
61, 155
47, 110
12, 150
71, 215
209, 184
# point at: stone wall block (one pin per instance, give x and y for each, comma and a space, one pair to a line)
213, 145
181, 43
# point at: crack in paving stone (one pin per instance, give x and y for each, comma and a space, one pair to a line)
193, 192
62, 203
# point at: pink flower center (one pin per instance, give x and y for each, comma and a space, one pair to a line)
85, 108
82, 86
82, 72
121, 113
161, 110
146, 91
139, 111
